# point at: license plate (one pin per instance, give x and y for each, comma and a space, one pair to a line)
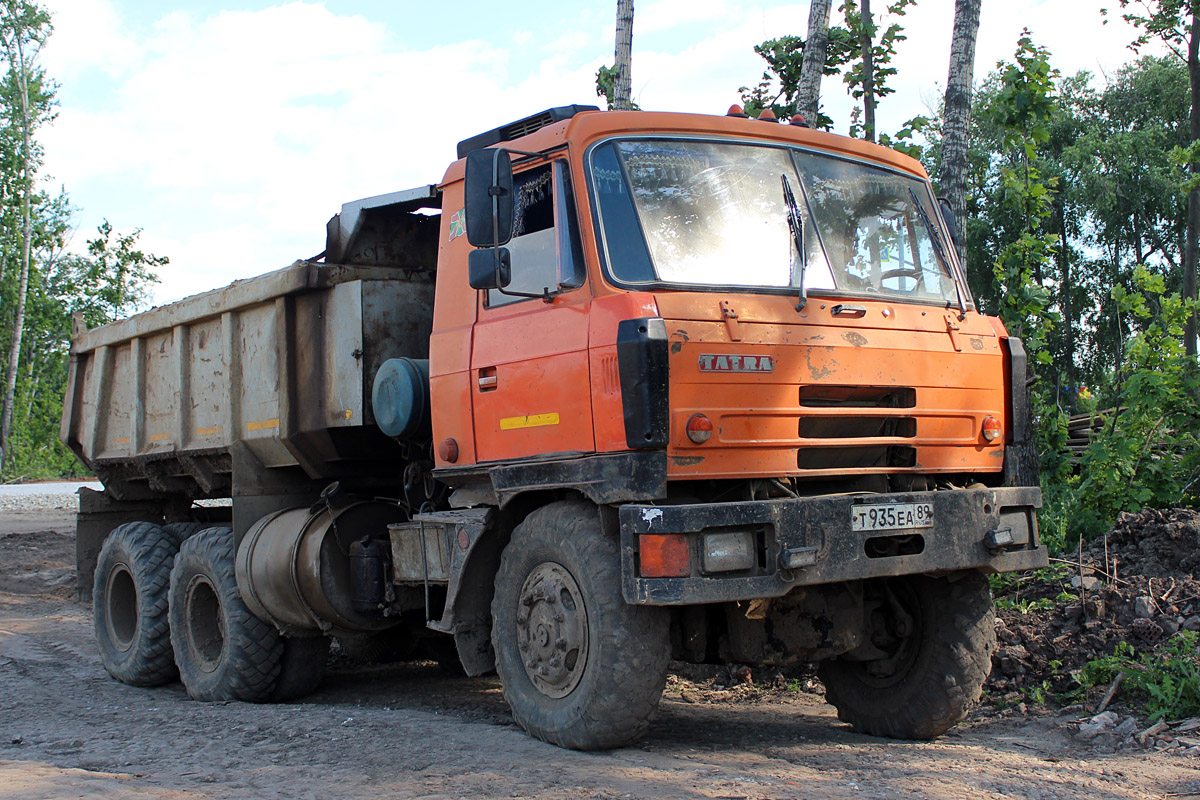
891, 516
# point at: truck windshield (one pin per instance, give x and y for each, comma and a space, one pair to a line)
683, 212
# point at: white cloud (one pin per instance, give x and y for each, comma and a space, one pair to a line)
87, 36
666, 14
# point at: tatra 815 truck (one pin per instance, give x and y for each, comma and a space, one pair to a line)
622, 388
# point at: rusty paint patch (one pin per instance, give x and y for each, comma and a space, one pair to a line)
976, 344
820, 362
676, 347
855, 338
686, 461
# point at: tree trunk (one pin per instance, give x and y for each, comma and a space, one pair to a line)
866, 42
622, 91
953, 178
17, 64
1193, 205
1064, 288
808, 97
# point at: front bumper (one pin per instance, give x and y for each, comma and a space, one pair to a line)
807, 541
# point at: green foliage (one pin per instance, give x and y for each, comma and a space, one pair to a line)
606, 80
1167, 681
1021, 111
883, 50
779, 87
1149, 454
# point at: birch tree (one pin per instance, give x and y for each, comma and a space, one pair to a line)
27, 100
813, 66
623, 57
957, 116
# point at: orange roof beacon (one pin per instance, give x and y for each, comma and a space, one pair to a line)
622, 387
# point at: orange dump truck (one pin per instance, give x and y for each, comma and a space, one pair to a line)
624, 387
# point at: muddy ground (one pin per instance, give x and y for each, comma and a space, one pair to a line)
410, 731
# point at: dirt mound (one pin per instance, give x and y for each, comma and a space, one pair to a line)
1152, 543
1137, 584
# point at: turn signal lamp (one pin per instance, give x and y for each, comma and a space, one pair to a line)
664, 555
992, 429
699, 428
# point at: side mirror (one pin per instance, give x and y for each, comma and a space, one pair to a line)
489, 269
949, 218
489, 198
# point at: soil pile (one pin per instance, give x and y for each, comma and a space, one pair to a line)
1137, 584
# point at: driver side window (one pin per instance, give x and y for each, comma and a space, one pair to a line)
544, 248
533, 248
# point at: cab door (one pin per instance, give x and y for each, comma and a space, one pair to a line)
529, 356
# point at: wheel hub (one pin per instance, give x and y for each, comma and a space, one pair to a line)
552, 629
205, 623
120, 599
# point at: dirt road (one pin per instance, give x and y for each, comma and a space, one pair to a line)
409, 731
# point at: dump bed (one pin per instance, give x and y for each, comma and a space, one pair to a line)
283, 363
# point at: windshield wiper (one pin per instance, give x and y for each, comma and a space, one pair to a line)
796, 226
936, 240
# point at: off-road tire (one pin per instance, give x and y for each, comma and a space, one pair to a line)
612, 695
222, 650
129, 601
301, 667
182, 531
942, 680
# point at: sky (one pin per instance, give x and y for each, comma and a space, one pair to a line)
230, 132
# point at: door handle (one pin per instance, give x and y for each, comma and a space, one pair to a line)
488, 380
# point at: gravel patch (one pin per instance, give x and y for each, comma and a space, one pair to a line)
59, 495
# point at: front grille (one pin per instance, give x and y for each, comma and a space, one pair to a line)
825, 396
856, 457
828, 427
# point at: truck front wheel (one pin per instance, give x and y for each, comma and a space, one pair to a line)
129, 601
223, 651
936, 639
580, 667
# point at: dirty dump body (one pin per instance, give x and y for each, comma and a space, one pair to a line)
623, 387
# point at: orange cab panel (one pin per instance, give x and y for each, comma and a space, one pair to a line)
811, 394
530, 375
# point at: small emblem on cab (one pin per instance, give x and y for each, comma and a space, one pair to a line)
736, 363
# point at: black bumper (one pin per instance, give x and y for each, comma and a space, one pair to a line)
808, 541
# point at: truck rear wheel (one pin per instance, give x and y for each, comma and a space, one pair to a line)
580, 667
129, 601
223, 651
938, 636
